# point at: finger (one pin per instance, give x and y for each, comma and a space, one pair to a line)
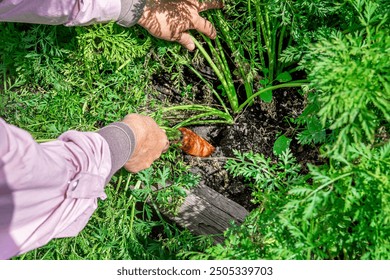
135, 167
205, 27
210, 4
186, 40
166, 147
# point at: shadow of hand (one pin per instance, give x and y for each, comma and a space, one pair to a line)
171, 19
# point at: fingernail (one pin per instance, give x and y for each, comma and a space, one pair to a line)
191, 47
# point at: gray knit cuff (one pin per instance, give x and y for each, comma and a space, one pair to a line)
131, 12
121, 141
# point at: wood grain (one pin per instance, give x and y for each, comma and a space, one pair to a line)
207, 212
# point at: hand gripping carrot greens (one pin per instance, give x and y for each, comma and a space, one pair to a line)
171, 19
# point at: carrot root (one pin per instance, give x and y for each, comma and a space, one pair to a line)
195, 145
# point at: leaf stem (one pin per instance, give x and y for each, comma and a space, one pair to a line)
286, 85
132, 198
232, 96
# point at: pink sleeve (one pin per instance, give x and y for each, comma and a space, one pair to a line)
55, 12
48, 190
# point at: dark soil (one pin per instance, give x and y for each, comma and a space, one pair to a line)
255, 129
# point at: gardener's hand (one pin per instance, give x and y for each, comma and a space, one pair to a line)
171, 19
150, 139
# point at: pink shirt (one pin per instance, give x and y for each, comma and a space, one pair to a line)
48, 190
71, 12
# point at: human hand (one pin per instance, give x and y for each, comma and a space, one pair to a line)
151, 142
171, 19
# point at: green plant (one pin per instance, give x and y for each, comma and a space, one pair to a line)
57, 78
350, 74
344, 213
282, 143
264, 175
339, 210
247, 58
313, 131
270, 183
108, 47
238, 61
208, 115
339, 65
190, 112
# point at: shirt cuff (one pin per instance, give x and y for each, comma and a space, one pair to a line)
131, 12
121, 141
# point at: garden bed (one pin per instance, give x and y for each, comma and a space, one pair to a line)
255, 129
339, 209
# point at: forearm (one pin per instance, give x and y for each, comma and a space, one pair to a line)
71, 12
50, 190
51, 163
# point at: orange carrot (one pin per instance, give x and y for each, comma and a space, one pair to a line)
195, 145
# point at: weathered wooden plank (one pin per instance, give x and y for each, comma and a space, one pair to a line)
207, 212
